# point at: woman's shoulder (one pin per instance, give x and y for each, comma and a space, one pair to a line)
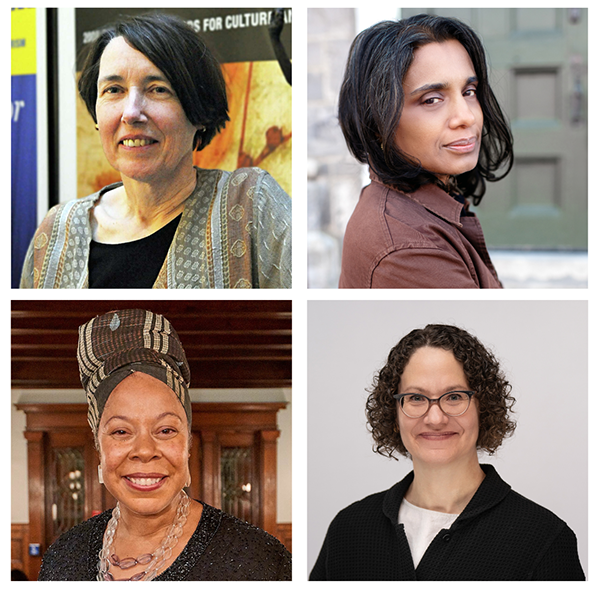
256, 553
498, 498
76, 210
252, 182
386, 219
67, 559
236, 528
247, 173
376, 511
59, 211
237, 175
534, 540
368, 509
527, 511
510, 515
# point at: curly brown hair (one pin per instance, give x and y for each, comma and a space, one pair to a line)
483, 374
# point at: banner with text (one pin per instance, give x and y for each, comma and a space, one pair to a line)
260, 98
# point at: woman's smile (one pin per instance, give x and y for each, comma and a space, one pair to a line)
145, 483
137, 141
434, 436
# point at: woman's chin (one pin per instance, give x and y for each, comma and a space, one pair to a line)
142, 174
435, 456
146, 507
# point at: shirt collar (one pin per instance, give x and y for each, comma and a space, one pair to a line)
491, 491
433, 198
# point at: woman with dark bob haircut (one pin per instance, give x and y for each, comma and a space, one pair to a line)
417, 107
439, 399
157, 94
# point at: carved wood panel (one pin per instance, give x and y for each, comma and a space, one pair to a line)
228, 344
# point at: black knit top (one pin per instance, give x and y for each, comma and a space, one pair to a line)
500, 535
130, 264
222, 548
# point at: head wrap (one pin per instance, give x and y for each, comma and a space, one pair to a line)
114, 345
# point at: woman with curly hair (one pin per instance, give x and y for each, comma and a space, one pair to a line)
417, 107
441, 398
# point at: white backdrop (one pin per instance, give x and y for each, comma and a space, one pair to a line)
542, 347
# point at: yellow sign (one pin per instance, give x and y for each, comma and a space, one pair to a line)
22, 41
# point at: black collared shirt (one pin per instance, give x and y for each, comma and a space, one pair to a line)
500, 535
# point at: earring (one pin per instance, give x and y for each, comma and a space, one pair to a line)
100, 479
97, 127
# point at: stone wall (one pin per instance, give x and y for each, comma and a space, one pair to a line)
334, 177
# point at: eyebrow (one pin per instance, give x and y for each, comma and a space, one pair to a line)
440, 86
146, 80
158, 418
418, 390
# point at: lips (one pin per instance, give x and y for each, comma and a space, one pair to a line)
437, 436
137, 141
145, 481
462, 145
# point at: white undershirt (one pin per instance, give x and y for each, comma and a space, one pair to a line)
421, 526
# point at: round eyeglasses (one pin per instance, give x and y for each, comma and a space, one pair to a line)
416, 406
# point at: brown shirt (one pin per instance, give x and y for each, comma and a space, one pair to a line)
418, 240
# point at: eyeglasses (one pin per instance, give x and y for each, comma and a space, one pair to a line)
453, 404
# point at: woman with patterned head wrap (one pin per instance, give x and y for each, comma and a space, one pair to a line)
136, 377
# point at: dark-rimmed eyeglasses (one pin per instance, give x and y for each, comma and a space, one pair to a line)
452, 404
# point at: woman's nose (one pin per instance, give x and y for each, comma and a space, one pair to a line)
133, 109
144, 447
435, 414
463, 115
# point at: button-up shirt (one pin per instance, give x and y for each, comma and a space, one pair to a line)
414, 240
500, 535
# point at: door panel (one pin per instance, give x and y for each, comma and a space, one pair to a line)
538, 70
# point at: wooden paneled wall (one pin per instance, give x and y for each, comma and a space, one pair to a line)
229, 344
19, 548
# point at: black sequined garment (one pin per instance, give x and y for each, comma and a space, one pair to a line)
222, 548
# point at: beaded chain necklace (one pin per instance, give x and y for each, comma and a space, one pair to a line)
155, 561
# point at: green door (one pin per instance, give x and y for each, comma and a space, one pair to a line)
538, 65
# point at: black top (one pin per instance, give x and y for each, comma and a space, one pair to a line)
222, 548
131, 264
500, 535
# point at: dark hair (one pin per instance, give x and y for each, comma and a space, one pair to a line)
371, 102
179, 52
483, 374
